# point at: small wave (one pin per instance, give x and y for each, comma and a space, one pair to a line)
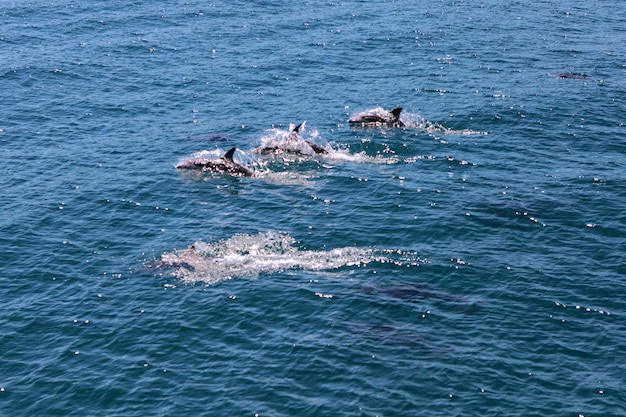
245, 255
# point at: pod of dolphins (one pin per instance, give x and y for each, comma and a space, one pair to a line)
293, 144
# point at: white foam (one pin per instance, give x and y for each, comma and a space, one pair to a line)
416, 121
245, 255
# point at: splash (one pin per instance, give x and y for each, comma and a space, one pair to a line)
414, 120
296, 148
245, 255
344, 155
289, 142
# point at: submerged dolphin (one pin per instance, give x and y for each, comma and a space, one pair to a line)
223, 165
391, 119
572, 76
294, 143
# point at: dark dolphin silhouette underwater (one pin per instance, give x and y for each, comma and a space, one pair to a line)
572, 76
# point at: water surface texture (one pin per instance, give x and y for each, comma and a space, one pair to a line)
471, 263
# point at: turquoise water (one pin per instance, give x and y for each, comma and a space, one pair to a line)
470, 263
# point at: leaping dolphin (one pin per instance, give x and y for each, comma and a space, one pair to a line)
223, 165
294, 144
376, 118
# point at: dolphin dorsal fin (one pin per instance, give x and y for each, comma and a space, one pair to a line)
396, 112
228, 156
297, 128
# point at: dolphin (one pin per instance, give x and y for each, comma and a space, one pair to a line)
391, 119
316, 148
572, 76
294, 144
223, 165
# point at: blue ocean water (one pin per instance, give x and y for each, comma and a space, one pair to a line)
470, 263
